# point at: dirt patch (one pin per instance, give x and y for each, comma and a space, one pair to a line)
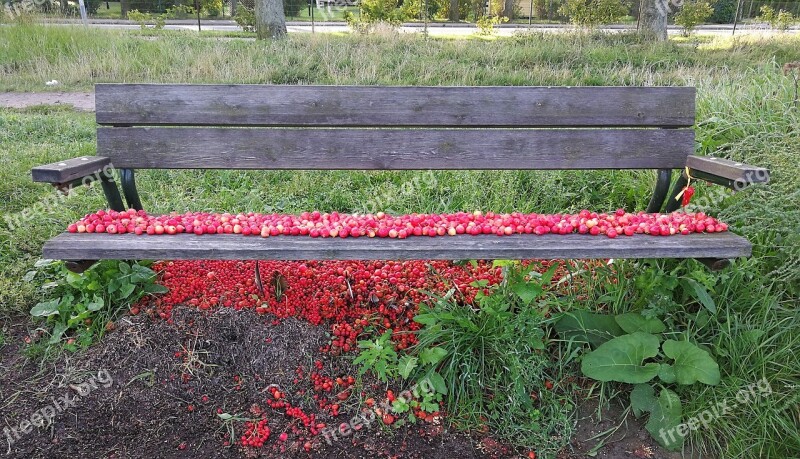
155, 389
83, 101
610, 434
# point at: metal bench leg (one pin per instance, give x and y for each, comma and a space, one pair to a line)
112, 193
79, 266
128, 179
661, 190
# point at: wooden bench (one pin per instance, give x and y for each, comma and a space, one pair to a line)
395, 128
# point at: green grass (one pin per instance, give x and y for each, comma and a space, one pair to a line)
745, 109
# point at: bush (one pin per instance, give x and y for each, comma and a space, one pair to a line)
693, 13
246, 18
781, 20
293, 7
591, 13
212, 8
486, 24
382, 11
724, 11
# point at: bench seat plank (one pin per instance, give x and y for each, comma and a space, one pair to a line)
74, 246
393, 149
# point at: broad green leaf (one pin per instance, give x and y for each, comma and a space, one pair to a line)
46, 308
527, 291
701, 294
124, 268
225, 416
622, 359
664, 420
95, 305
642, 399
633, 322
432, 355
406, 365
58, 332
582, 325
155, 288
667, 373
548, 275
437, 382
425, 319
691, 363
28, 277
126, 290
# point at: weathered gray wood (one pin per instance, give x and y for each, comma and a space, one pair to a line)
259, 148
273, 105
70, 169
727, 169
74, 246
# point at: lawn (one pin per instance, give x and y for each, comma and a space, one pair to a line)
747, 111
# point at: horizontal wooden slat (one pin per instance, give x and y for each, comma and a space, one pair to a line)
73, 246
727, 169
272, 105
70, 169
282, 148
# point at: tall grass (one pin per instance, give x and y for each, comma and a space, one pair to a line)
745, 112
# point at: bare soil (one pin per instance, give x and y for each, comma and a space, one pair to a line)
159, 387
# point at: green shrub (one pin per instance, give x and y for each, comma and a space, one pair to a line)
591, 13
212, 8
83, 306
486, 24
693, 13
724, 11
780, 20
382, 11
246, 18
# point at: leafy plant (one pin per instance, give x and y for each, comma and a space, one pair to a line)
145, 19
491, 356
693, 13
591, 13
640, 354
245, 18
780, 20
379, 356
486, 24
84, 305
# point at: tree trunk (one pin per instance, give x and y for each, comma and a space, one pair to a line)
454, 16
123, 6
508, 8
270, 20
654, 19
233, 7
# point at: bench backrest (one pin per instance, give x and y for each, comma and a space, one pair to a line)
346, 127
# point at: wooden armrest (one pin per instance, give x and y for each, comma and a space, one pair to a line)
726, 172
70, 169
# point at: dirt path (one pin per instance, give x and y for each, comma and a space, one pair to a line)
83, 101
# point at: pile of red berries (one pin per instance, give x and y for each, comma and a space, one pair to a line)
255, 433
316, 224
349, 296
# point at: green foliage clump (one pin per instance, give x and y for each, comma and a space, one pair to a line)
246, 18
780, 20
692, 13
591, 13
486, 24
158, 21
724, 11
388, 11
81, 306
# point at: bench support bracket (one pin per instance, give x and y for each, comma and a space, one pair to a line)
661, 190
112, 193
128, 180
79, 266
